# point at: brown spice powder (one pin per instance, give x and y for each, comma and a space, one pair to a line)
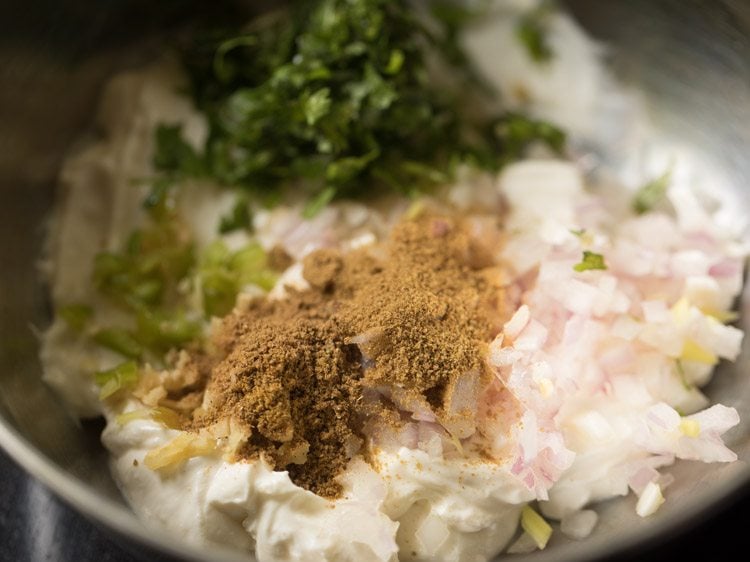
412, 317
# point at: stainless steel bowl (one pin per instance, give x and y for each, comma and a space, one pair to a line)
690, 58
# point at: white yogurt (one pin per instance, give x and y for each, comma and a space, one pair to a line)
415, 506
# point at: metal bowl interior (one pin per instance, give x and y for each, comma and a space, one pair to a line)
691, 60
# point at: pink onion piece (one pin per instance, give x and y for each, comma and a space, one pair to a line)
461, 406
391, 439
430, 438
417, 406
517, 322
642, 477
726, 268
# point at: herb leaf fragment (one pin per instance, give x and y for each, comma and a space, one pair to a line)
238, 218
119, 340
652, 193
590, 261
531, 31
75, 315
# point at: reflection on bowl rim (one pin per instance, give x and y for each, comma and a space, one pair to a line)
125, 523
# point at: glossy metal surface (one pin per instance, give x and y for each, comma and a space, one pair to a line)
690, 58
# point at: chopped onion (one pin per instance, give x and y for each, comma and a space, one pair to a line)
690, 428
691, 351
592, 361
517, 322
655, 311
430, 439
293, 452
717, 419
532, 337
432, 532
502, 356
650, 500
727, 267
578, 525
408, 436
535, 525
626, 327
462, 397
642, 478
410, 402
525, 544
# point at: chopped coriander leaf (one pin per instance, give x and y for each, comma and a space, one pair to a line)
395, 62
174, 154
113, 380
317, 105
516, 132
75, 315
175, 159
222, 70
590, 261
532, 35
335, 97
418, 170
531, 31
316, 204
586, 237
159, 200
120, 341
652, 193
238, 218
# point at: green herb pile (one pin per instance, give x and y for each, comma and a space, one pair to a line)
168, 290
336, 97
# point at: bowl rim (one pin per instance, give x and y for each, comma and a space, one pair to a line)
97, 509
125, 523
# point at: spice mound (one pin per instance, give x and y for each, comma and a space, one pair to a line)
384, 332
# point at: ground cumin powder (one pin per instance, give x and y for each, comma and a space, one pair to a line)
407, 318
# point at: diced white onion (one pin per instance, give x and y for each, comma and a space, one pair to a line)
650, 500
579, 525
